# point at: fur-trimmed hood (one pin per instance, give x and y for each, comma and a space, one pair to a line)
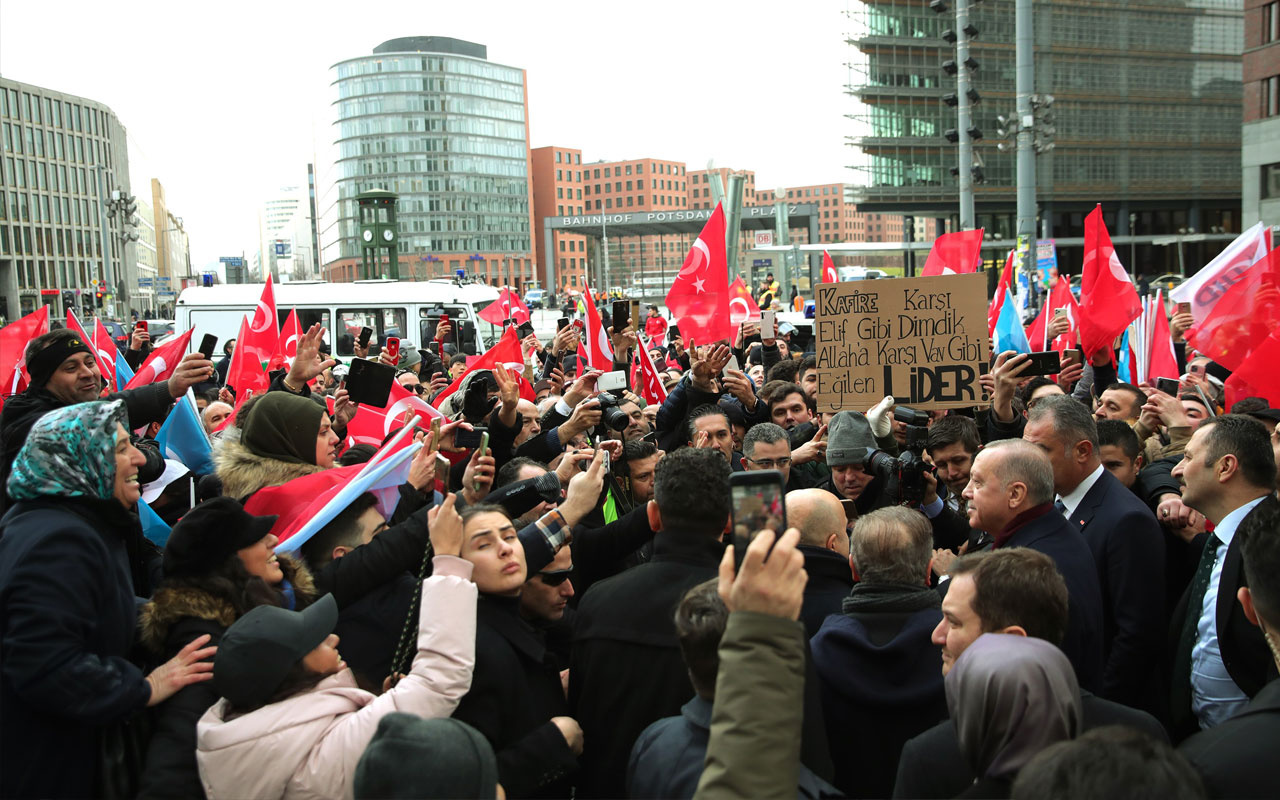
242, 472
174, 603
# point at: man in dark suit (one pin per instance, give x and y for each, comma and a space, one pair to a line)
1234, 758
1127, 547
1010, 496
626, 670
1220, 658
1013, 590
825, 545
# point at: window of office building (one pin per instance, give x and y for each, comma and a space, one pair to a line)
1270, 22
1271, 96
1270, 180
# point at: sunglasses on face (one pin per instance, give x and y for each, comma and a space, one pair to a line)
556, 577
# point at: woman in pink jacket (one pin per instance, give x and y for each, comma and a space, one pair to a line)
292, 723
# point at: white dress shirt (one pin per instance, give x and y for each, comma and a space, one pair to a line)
1072, 500
1215, 698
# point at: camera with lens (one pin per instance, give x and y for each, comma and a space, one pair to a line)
610, 414
903, 475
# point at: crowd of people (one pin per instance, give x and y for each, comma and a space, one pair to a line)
1077, 598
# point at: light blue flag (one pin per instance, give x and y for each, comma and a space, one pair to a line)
182, 437
123, 373
1009, 332
153, 527
1124, 369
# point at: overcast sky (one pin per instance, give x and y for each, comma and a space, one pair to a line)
224, 102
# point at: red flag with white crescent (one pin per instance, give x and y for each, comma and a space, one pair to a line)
371, 424
264, 329
596, 342
699, 295
829, 274
1108, 299
162, 361
13, 344
954, 254
290, 333
246, 373
742, 306
651, 388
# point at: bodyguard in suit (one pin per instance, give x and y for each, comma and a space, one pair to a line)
1221, 659
1127, 547
1011, 590
1235, 758
825, 545
1010, 495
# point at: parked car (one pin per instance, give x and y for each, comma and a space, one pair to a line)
1167, 282
118, 334
534, 298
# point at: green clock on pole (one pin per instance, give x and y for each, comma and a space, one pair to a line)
378, 233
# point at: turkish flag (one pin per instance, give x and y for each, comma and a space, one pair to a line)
1003, 289
287, 348
1242, 317
596, 340
106, 358
1108, 299
1162, 361
246, 373
264, 329
371, 424
650, 384
106, 349
1059, 297
13, 343
162, 361
506, 351
954, 254
1257, 375
742, 306
507, 306
829, 274
699, 296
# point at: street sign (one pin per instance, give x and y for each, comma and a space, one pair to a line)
232, 261
764, 238
166, 293
762, 262
146, 282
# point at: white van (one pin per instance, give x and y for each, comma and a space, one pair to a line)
406, 309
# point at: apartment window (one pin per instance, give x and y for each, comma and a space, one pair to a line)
558, 157
628, 169
1270, 22
639, 169
577, 158
1271, 96
608, 202
560, 192
1270, 179
628, 182
597, 174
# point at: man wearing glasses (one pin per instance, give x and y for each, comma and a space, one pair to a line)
766, 446
544, 604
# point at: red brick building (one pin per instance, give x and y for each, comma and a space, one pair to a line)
1260, 134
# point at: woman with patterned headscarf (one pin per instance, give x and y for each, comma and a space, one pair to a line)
72, 563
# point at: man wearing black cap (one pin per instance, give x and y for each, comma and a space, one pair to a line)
64, 370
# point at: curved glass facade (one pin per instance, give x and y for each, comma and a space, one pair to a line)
445, 132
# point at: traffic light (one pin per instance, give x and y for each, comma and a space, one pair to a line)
98, 297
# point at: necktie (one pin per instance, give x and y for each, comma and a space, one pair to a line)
1187, 639
1060, 507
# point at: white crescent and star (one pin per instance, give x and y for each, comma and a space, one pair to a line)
696, 261
266, 318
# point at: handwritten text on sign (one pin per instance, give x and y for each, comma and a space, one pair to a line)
922, 340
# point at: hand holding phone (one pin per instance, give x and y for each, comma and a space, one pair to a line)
769, 325
207, 345
1045, 363
370, 382
758, 503
392, 349
363, 339
142, 325
1167, 385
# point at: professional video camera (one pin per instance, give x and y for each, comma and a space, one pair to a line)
903, 475
610, 414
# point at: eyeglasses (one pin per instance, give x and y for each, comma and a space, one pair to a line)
771, 463
556, 577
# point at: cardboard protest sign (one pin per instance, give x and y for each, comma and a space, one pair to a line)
922, 340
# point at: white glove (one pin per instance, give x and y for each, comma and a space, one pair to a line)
880, 419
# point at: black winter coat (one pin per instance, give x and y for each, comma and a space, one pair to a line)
515, 691
69, 572
830, 581
627, 671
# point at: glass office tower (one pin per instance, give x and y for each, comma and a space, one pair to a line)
432, 120
1146, 112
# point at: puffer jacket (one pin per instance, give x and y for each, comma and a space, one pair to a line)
173, 618
243, 472
307, 746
